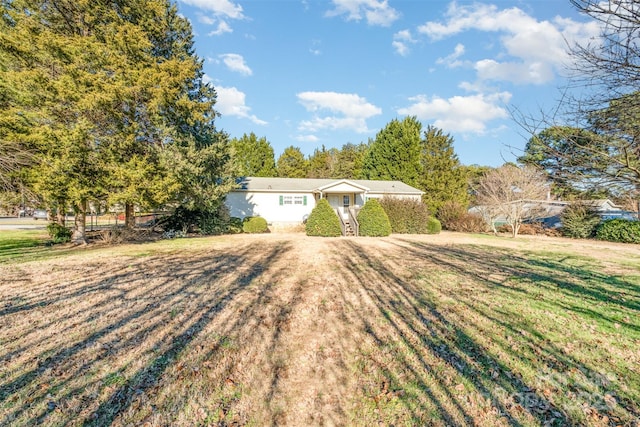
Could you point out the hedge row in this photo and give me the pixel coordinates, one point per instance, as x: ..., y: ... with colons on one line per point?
x: 407, y: 216
x: 619, y: 230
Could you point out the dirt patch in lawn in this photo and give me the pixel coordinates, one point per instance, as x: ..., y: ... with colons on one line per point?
x: 283, y: 329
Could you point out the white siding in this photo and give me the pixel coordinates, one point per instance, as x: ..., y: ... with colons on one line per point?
x: 267, y: 205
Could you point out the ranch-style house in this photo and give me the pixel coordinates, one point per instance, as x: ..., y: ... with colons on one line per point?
x: 289, y: 201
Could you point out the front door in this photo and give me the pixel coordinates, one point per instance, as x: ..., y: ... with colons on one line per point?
x: 341, y: 202
x: 346, y: 202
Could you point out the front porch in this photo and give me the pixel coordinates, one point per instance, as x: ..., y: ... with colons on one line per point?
x: 346, y: 198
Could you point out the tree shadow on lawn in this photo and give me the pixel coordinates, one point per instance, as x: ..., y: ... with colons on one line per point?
x: 546, y: 286
x: 152, y: 312
x: 589, y: 292
x: 462, y: 378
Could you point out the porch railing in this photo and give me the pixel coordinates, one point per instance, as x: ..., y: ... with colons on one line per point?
x: 353, y: 214
x: 343, y: 226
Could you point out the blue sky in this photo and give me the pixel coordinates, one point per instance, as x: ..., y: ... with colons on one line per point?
x: 312, y: 73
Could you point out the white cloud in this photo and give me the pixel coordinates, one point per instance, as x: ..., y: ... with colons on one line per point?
x: 401, y: 41
x: 231, y: 102
x: 218, y: 7
x: 536, y: 72
x: 535, y: 50
x: 465, y: 114
x: 236, y: 63
x: 207, y: 20
x: 307, y: 138
x: 221, y: 9
x: 223, y: 28
x: 350, y: 111
x: 452, y: 60
x: 376, y: 12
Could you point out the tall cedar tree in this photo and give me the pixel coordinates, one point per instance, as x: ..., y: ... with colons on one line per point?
x: 292, y: 163
x: 116, y: 84
x: 442, y: 178
x: 253, y: 156
x: 395, y: 153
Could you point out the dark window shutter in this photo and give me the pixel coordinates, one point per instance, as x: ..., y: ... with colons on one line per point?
x: 304, y: 200
x: 281, y: 200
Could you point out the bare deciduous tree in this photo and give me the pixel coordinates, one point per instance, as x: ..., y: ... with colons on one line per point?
x: 513, y: 194
x: 602, y: 100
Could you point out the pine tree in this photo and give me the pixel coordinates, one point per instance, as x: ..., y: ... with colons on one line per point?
x: 321, y: 163
x: 253, y: 156
x: 292, y: 164
x: 349, y: 161
x: 443, y: 178
x: 395, y: 152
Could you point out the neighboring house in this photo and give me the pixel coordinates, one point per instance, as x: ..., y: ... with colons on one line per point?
x: 548, y: 212
x: 289, y: 201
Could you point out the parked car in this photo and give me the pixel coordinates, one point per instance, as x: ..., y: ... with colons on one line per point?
x: 40, y: 214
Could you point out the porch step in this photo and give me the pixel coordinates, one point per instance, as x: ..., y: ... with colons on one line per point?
x: 348, y: 231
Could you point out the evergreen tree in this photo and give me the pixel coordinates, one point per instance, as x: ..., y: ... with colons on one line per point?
x: 349, y: 161
x: 395, y: 152
x: 321, y: 163
x: 292, y: 164
x: 253, y: 156
x: 443, y: 178
x: 105, y: 94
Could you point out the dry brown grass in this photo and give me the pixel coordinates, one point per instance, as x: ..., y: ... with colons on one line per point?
x: 289, y: 330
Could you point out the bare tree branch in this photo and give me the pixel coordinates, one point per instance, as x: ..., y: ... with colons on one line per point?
x: 512, y: 193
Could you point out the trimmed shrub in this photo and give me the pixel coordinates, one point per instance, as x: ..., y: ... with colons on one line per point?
x: 619, y: 230
x: 373, y: 220
x: 406, y: 215
x: 433, y: 226
x: 58, y: 233
x: 579, y: 221
x: 235, y: 225
x: 323, y: 221
x: 255, y: 224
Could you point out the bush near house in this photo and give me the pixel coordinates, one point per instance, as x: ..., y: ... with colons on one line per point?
x: 59, y: 233
x: 235, y: 225
x: 203, y: 221
x: 406, y: 215
x: 454, y: 217
x: 619, y: 230
x: 373, y: 220
x: 433, y: 226
x: 579, y: 221
x: 323, y: 221
x: 255, y: 224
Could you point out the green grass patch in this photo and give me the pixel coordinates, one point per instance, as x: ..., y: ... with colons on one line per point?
x: 16, y: 245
